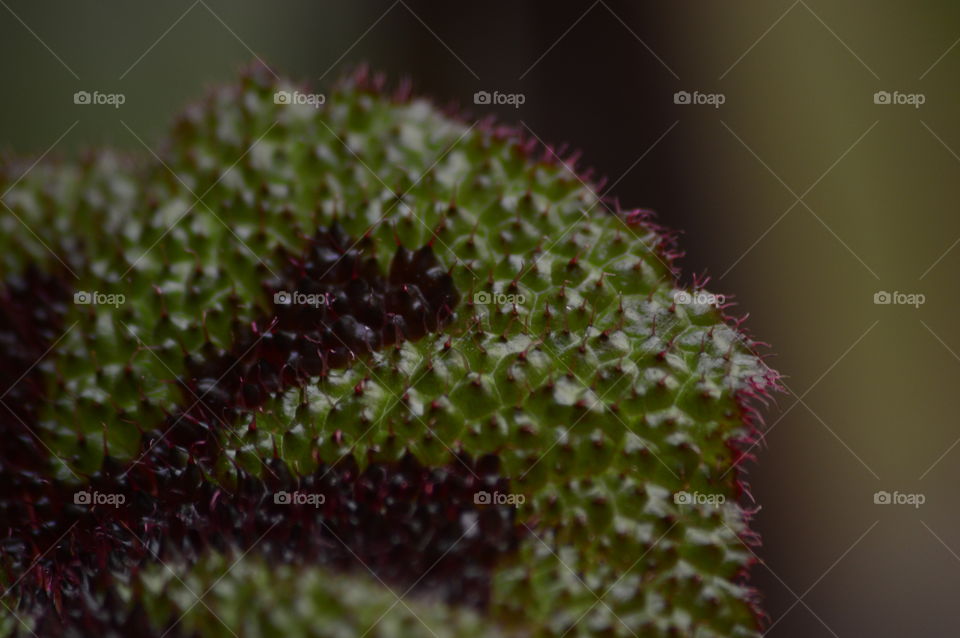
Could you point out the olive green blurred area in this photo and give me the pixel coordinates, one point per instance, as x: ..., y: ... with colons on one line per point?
x: 800, y: 195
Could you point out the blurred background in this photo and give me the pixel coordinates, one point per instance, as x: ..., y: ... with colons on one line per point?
x: 812, y: 162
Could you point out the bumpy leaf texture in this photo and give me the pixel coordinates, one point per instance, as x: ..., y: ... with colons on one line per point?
x: 362, y: 369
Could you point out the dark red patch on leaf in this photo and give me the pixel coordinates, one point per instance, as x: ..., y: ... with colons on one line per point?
x: 406, y: 523
x: 332, y: 305
x: 32, y: 306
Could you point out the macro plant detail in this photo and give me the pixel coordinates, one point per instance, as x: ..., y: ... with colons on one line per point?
x: 360, y: 348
